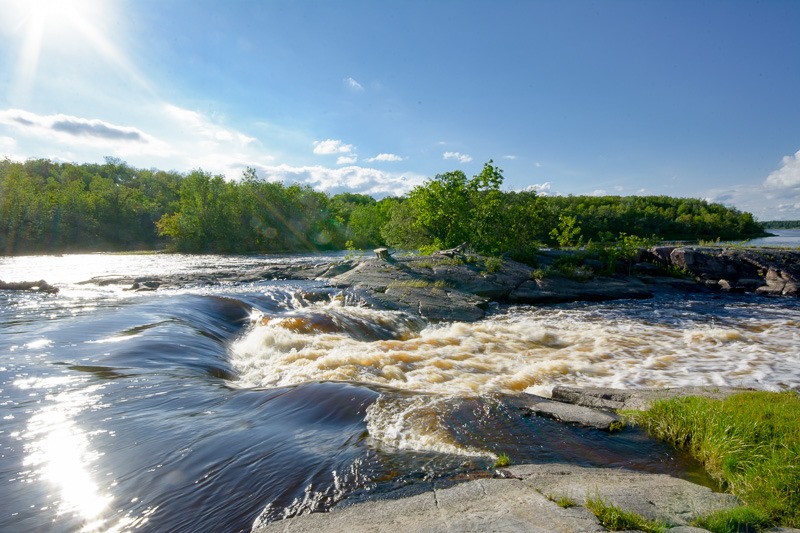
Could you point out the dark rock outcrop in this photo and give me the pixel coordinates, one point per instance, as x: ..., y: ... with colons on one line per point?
x: 443, y: 288
x: 762, y: 270
x: 36, y: 286
x: 455, y: 286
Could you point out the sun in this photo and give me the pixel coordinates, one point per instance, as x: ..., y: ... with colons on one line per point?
x: 69, y: 29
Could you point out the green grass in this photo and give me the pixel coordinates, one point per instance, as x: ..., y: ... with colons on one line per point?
x: 736, y: 520
x: 502, y: 461
x: 749, y: 442
x: 540, y: 273
x: 419, y: 284
x: 565, y: 502
x: 616, y: 425
x: 615, y: 519
x: 493, y: 264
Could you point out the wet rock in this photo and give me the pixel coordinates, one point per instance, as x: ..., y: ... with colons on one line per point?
x: 520, y: 502
x: 558, y: 289
x: 763, y: 270
x: 35, y: 286
x: 567, y: 412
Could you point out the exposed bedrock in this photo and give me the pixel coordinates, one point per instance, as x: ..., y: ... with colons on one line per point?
x: 763, y: 270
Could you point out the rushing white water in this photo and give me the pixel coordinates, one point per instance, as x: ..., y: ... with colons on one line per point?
x: 525, y: 350
x: 522, y: 350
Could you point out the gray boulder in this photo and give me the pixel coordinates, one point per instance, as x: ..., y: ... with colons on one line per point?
x: 521, y: 502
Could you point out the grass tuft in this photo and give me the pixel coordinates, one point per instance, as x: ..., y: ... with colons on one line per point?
x: 736, y: 520
x: 565, y: 502
x: 615, y: 519
x: 502, y: 461
x: 749, y: 442
x: 616, y: 425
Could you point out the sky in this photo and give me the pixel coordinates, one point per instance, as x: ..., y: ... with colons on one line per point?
x: 687, y: 98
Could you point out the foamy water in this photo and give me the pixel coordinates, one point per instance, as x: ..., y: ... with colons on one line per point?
x: 526, y: 350
x: 523, y: 350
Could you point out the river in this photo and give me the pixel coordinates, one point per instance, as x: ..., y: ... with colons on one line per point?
x: 217, y: 407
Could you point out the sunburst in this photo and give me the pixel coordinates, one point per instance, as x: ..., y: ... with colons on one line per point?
x: 62, y: 25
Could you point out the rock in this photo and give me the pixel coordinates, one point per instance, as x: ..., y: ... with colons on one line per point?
x: 646, y: 269
x: 382, y: 254
x: 519, y: 503
x: 637, y: 399
x: 558, y: 289
x: 736, y: 268
x: 35, y: 286
x: 567, y: 412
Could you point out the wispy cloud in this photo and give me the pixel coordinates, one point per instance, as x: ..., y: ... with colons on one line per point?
x: 364, y: 180
x: 331, y: 146
x: 202, y: 126
x: 511, y: 157
x: 353, y: 84
x: 776, y: 198
x: 96, y: 128
x: 458, y: 156
x: 346, y: 159
x: 184, y: 139
x: 8, y: 146
x: 69, y: 127
x: 385, y: 158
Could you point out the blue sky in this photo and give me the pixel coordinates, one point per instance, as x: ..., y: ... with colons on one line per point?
x: 683, y: 98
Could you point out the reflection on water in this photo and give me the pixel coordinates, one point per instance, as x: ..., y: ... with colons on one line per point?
x: 60, y: 452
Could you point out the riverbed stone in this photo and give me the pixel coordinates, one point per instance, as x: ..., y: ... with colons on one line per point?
x: 35, y: 286
x: 559, y: 289
x: 567, y: 412
x: 520, y: 502
x: 634, y: 399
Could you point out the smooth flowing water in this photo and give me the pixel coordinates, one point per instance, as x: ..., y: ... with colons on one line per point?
x: 214, y: 408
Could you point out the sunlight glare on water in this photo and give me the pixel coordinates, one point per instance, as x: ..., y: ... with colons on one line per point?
x: 60, y: 452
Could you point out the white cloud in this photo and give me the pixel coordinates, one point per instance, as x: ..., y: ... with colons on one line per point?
x: 353, y: 84
x: 598, y: 192
x: 511, y: 157
x: 461, y: 158
x: 201, y: 125
x: 539, y: 188
x: 331, y: 146
x: 346, y: 160
x: 8, y: 146
x: 359, y: 179
x: 788, y: 175
x: 184, y: 140
x: 385, y: 158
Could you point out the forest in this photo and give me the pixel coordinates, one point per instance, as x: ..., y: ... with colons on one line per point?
x: 782, y: 224
x: 55, y: 207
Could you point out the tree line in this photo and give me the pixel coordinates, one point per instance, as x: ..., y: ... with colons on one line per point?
x: 782, y: 224
x: 53, y: 207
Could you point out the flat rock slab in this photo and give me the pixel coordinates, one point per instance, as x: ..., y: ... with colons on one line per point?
x: 636, y: 399
x: 521, y: 503
x: 567, y: 412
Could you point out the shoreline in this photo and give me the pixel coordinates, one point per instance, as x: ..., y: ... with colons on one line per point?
x: 538, y: 497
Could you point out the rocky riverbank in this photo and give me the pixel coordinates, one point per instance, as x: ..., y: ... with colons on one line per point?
x: 543, y: 497
x: 463, y: 287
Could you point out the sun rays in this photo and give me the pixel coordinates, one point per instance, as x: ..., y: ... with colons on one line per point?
x: 71, y: 32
